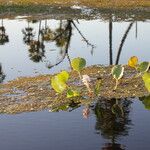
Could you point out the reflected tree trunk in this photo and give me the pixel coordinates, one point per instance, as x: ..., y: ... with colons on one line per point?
x: 39, y: 30
x: 68, y: 42
x: 122, y: 42
x: 2, y: 23
x: 2, y: 75
x: 136, y: 30
x: 110, y: 42
x: 87, y: 42
x: 68, y: 31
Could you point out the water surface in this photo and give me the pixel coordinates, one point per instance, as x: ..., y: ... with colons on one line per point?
x: 99, y: 42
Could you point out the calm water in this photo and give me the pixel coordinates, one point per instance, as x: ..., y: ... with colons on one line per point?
x: 93, y: 40
x: 99, y: 42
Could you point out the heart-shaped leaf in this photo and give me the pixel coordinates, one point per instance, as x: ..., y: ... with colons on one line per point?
x: 117, y: 72
x: 143, y: 67
x: 133, y: 62
x: 64, y: 76
x: 58, y: 84
x: 146, y: 79
x: 78, y: 64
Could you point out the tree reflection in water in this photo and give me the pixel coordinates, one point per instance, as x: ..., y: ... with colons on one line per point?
x: 36, y: 46
x: 125, y: 35
x: 61, y: 36
x: 2, y: 75
x: 112, y: 118
x: 113, y: 146
x: 28, y: 34
x: 3, y: 36
x: 112, y: 125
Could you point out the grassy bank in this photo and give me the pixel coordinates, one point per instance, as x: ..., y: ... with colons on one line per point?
x: 88, y: 3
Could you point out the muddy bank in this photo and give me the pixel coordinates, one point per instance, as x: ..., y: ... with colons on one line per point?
x: 35, y: 93
x: 74, y: 12
x: 88, y: 3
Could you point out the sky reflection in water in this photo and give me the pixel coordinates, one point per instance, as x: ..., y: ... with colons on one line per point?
x: 99, y: 43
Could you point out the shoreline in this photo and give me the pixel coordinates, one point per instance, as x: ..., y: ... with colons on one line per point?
x: 74, y: 12
x: 87, y: 3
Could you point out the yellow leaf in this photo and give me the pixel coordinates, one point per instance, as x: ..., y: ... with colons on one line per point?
x: 133, y: 62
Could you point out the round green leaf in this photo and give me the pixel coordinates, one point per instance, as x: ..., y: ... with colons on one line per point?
x: 146, y: 79
x: 58, y: 84
x: 117, y: 72
x: 78, y: 63
x: 143, y: 67
x: 64, y: 75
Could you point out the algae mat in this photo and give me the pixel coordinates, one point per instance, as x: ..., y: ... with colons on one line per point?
x: 35, y: 93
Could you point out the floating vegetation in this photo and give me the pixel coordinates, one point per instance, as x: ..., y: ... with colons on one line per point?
x: 83, y: 85
x: 146, y: 79
x: 140, y: 67
x: 117, y: 72
x: 59, y: 81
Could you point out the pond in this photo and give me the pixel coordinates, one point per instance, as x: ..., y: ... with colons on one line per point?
x: 31, y: 46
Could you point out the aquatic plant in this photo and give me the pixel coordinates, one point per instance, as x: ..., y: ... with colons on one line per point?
x: 78, y: 64
x: 140, y: 67
x: 146, y: 79
x: 133, y: 62
x: 59, y: 84
x: 146, y: 102
x: 59, y: 81
x: 117, y: 72
x: 86, y: 81
x: 143, y: 67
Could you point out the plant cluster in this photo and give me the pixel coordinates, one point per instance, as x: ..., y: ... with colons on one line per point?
x: 59, y: 81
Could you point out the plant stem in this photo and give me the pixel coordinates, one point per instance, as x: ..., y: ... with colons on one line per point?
x: 80, y: 75
x: 116, y: 85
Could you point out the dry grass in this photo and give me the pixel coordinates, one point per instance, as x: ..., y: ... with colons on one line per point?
x: 89, y: 3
